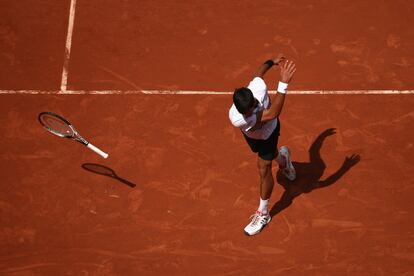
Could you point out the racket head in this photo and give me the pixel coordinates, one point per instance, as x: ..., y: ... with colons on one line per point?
x: 56, y: 124
x: 98, y: 169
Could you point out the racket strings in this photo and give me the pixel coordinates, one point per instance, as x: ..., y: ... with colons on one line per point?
x: 57, y: 126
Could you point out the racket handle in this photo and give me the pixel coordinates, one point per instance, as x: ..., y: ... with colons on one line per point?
x: 98, y: 151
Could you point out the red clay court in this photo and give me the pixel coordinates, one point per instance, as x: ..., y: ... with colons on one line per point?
x: 196, y: 179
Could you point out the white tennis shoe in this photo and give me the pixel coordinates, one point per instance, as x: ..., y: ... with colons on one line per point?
x: 289, y: 171
x: 259, y: 221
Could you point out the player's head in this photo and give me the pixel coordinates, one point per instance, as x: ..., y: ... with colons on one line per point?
x: 244, y: 101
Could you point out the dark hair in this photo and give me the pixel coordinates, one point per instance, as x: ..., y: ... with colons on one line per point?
x: 243, y: 99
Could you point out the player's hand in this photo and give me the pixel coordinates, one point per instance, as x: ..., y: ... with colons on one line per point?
x: 287, y: 70
x: 351, y: 161
x: 329, y: 132
x: 280, y: 58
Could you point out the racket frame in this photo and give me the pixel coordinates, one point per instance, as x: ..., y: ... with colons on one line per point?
x: 75, y: 136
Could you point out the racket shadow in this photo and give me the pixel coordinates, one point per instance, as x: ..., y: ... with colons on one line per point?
x: 103, y: 170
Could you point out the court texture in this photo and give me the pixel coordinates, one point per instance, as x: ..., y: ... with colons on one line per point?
x: 150, y: 83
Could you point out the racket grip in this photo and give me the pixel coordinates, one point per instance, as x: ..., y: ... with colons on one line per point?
x: 98, y: 151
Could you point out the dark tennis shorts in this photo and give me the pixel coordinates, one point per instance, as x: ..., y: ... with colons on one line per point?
x: 266, y: 149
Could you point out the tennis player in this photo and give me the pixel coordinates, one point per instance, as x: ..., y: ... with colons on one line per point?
x: 258, y: 119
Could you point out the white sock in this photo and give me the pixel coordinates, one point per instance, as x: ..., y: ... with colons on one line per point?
x: 263, y: 206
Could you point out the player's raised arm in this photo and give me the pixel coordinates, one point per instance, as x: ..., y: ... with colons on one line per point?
x: 268, y: 64
x: 287, y: 70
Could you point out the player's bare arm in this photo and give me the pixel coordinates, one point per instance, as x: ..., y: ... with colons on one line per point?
x: 268, y: 64
x: 287, y: 70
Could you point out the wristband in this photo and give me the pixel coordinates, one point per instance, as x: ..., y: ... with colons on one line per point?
x: 269, y: 62
x: 282, y: 87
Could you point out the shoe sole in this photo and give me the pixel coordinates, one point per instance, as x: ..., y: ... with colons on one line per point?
x: 247, y: 234
x: 288, y: 161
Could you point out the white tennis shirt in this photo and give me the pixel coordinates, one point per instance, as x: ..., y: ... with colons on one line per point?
x: 259, y: 90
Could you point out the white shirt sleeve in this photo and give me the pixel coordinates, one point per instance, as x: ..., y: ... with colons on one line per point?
x: 257, y: 86
x: 259, y: 90
x: 238, y: 120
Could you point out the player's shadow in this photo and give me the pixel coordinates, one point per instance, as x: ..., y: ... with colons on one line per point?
x: 308, y: 174
x: 103, y: 170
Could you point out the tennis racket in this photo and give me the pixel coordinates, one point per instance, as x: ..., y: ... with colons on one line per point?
x: 61, y: 127
x: 100, y: 169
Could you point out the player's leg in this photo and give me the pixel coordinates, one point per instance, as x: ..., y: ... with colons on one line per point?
x: 266, y: 183
x: 261, y: 217
x: 264, y: 165
x: 266, y: 154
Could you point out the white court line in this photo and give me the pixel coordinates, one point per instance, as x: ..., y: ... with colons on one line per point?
x: 65, y: 71
x: 64, y: 82
x: 190, y: 92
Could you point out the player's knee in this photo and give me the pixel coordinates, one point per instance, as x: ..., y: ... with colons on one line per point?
x: 264, y: 166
